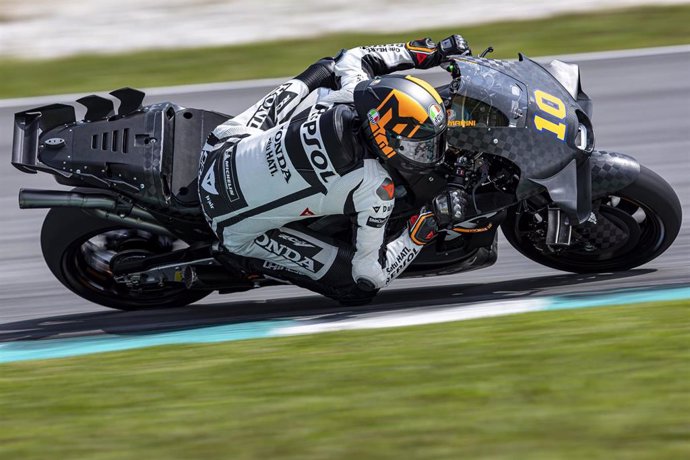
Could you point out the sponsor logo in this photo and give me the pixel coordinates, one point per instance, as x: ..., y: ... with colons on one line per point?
x: 420, y: 57
x: 209, y: 181
x: 395, y: 48
x: 386, y: 208
x: 286, y: 249
x: 284, y: 99
x: 278, y: 268
x: 421, y: 49
x: 377, y: 222
x: 403, y: 259
x: 272, y: 266
x: 405, y: 253
x: 436, y: 114
x: 275, y: 156
x: 373, y: 116
x: 314, y: 147
x: 262, y: 112
x: 462, y: 123
x: 296, y: 241
x: 307, y: 213
x: 231, y: 187
x: 386, y: 190
x: 209, y: 201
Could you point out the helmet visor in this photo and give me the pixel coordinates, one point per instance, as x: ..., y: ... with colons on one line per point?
x: 422, y: 152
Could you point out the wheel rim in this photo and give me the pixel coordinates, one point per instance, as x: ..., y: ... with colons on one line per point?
x: 643, y: 227
x: 86, y: 263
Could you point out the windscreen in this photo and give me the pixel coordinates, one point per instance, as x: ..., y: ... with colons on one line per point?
x: 487, y: 98
x: 466, y: 112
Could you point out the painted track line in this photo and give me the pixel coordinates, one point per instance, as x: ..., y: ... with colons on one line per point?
x: 272, y: 82
x: 61, y: 348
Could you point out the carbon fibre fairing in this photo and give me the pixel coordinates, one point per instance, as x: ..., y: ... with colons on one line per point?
x: 612, y: 172
x: 519, y: 111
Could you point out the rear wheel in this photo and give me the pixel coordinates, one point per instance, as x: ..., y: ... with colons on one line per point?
x: 79, y: 247
x: 633, y: 226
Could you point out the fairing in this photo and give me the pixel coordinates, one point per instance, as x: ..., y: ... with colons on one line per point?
x: 148, y: 153
x: 521, y: 112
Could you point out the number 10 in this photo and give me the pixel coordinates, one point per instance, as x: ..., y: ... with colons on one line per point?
x: 553, y: 106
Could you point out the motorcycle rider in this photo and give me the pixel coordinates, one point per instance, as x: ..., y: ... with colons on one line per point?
x: 267, y: 169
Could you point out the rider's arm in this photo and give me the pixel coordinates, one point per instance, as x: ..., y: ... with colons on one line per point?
x: 278, y: 105
x: 349, y: 68
x: 374, y: 264
x: 366, y: 62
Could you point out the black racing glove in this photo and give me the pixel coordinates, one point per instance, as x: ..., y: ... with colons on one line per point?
x: 454, y: 45
x: 426, y: 54
x: 450, y: 207
x: 423, y: 227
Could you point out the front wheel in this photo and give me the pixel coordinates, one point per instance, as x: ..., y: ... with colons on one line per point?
x: 78, y: 248
x: 633, y: 226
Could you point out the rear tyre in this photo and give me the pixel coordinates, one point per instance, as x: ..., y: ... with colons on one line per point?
x: 635, y: 225
x: 78, y: 247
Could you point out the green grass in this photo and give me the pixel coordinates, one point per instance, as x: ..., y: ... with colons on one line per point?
x: 597, y: 383
x: 617, y: 29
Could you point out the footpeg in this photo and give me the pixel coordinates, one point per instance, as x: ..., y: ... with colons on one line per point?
x: 559, y: 231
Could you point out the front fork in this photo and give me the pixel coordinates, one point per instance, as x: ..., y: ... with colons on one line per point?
x: 559, y: 232
x: 574, y: 189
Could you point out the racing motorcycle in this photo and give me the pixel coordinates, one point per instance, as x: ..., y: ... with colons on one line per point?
x: 131, y: 235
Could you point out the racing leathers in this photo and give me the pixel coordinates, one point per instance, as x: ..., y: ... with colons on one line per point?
x: 269, y: 168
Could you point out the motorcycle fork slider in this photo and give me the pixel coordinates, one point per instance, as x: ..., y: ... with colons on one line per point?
x: 559, y: 231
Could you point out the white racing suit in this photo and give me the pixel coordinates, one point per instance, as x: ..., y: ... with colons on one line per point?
x: 267, y: 169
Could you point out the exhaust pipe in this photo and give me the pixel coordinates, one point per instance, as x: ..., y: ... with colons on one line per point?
x: 40, y: 199
x: 102, y: 206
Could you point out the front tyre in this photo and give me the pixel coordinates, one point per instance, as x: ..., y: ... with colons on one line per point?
x: 634, y: 225
x: 78, y: 248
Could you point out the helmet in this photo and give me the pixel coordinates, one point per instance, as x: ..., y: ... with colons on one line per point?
x: 404, y: 120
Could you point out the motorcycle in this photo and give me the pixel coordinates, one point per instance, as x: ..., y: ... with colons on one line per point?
x: 131, y: 235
